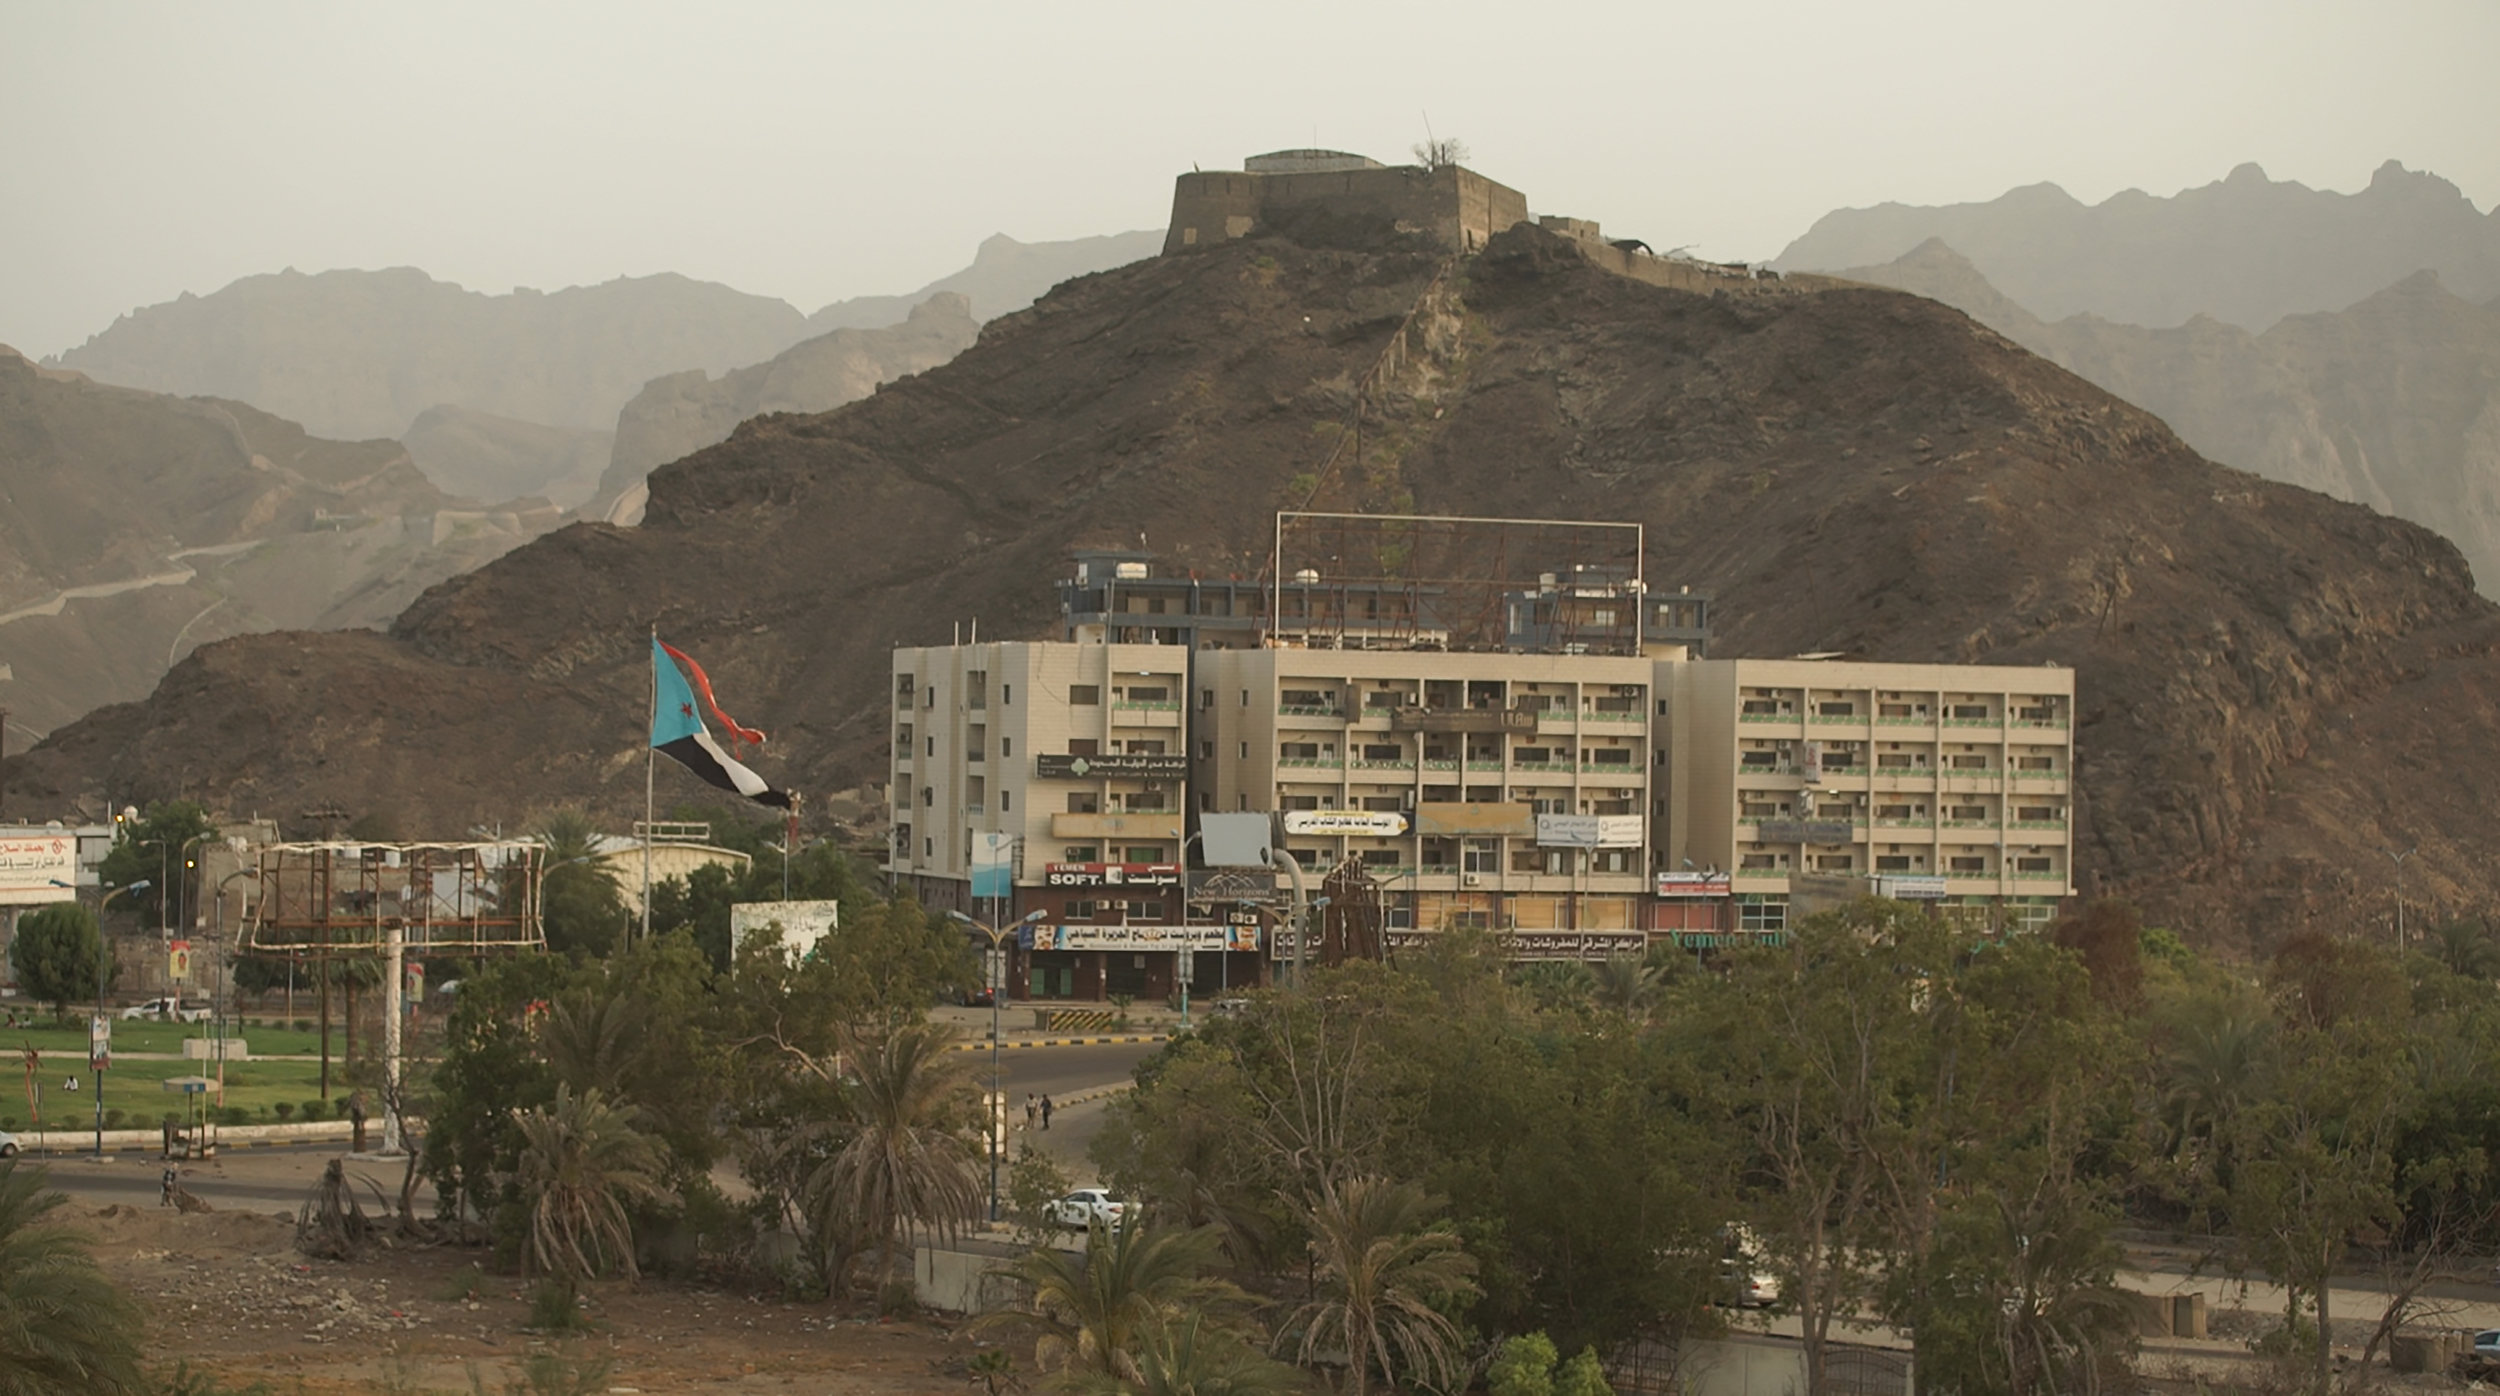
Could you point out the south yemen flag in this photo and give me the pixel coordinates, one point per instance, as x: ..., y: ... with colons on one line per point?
x: 678, y: 730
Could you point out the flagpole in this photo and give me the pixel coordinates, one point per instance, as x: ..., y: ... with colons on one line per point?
x: 650, y: 755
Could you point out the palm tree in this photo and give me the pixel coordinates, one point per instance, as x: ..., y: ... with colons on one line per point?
x: 1628, y: 984
x: 582, y: 1161
x: 1094, y: 1315
x: 1381, y: 1271
x: 1191, y: 1357
x: 911, y: 1153
x: 1557, y: 984
x: 64, y: 1328
x: 595, y: 1040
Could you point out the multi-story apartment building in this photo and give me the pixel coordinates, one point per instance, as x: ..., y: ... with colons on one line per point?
x: 1588, y: 784
x: 1944, y: 782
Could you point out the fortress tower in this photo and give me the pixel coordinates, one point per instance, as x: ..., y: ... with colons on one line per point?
x: 1454, y: 206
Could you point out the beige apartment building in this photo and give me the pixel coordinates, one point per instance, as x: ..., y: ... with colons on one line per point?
x: 1948, y: 783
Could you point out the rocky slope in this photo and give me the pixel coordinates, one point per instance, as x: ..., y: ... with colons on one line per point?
x: 135, y: 526
x: 2263, y: 669
x: 2393, y: 402
x: 685, y: 412
x: 2245, y: 250
x: 484, y: 456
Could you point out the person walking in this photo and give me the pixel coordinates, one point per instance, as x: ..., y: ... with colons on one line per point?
x: 1032, y: 1112
x: 1045, y: 1112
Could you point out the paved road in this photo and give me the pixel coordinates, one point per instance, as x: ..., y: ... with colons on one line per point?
x: 269, y: 1179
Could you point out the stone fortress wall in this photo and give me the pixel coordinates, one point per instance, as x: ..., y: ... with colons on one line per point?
x: 1456, y: 207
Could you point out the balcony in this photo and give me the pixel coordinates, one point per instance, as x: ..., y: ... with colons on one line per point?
x: 2057, y: 824
x: 1475, y: 765
x: 2038, y: 775
x: 1368, y: 764
x: 1927, y: 722
x: 2038, y: 724
x: 1307, y: 710
x: 1789, y: 718
x: 1314, y: 763
x: 1838, y: 719
x: 1992, y: 723
x: 1634, y: 716
x: 1905, y: 824
x: 1440, y: 763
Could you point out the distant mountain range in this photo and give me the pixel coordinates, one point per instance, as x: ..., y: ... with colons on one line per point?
x: 2390, y: 397
x: 522, y: 384
x: 2246, y: 250
x: 135, y: 527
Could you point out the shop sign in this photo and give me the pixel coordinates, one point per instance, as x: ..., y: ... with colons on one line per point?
x: 1911, y: 888
x: 1356, y: 822
x: 1117, y: 766
x: 1111, y: 874
x: 1589, y: 830
x: 1695, y: 884
x: 1522, y: 945
x: 1208, y: 937
x: 31, y: 863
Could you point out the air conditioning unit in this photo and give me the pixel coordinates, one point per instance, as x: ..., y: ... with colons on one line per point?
x: 1472, y: 880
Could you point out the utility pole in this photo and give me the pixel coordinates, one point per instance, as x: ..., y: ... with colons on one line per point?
x: 2399, y: 859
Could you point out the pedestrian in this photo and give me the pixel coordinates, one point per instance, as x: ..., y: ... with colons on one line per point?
x: 356, y: 1118
x: 1045, y: 1112
x: 1032, y: 1112
x: 70, y: 1085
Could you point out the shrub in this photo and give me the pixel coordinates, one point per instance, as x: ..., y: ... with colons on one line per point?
x: 556, y: 1307
x: 286, y: 1111
x: 314, y: 1110
x: 897, y: 1299
x: 303, y: 1025
x: 112, y: 1118
x: 1524, y: 1367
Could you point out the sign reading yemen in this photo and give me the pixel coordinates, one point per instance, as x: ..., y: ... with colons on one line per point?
x: 1111, y: 874
x: 1360, y: 823
x: 1117, y: 766
x: 1588, y: 830
x: 31, y: 860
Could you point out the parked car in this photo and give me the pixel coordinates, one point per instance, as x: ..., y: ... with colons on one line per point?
x: 167, y: 1008
x: 1084, y: 1207
x: 1746, y: 1287
x: 973, y: 996
x: 8, y: 1145
x: 2486, y: 1343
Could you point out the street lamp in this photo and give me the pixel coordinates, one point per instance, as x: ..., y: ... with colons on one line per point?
x: 995, y: 971
x: 2400, y: 892
x: 220, y: 992
x: 93, y: 1059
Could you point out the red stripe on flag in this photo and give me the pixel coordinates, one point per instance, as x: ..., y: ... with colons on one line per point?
x: 703, y: 685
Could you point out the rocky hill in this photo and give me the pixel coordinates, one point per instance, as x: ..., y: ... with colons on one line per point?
x: 2274, y: 684
x: 136, y: 526
x: 2246, y: 250
x: 685, y: 412
x: 488, y: 457
x: 2393, y: 402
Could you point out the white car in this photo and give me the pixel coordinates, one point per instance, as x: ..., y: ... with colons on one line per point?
x: 8, y: 1146
x: 2486, y: 1343
x: 1085, y: 1207
x: 174, y: 1009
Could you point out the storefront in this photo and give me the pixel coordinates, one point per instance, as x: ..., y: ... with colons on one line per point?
x: 1146, y: 963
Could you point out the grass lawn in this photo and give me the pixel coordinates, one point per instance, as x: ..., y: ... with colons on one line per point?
x: 149, y: 1036
x: 137, y: 1089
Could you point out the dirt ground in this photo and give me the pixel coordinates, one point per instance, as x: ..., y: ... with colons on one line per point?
x: 227, y: 1293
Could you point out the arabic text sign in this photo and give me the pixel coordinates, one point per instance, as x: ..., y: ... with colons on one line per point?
x: 1358, y: 822
x: 1589, y: 830
x: 30, y: 861
x: 1210, y: 937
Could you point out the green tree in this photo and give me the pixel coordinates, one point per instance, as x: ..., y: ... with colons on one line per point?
x: 580, y: 902
x: 582, y: 1164
x: 149, y: 848
x: 64, y: 1329
x: 58, y: 954
x: 1193, y: 1356
x: 1385, y: 1274
x: 1524, y: 1366
x: 1628, y: 985
x: 1091, y: 1315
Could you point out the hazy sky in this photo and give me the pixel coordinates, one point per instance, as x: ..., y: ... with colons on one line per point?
x: 818, y: 151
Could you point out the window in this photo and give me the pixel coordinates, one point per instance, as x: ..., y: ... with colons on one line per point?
x: 1150, y: 695
x: 928, y: 696
x: 976, y: 791
x: 2031, y: 865
x: 1003, y: 797
x: 1306, y: 698
x: 1084, y: 802
x: 1532, y: 755
x: 1614, y: 860
x: 1970, y: 761
x: 1560, y: 804
x: 1206, y: 750
x: 1206, y: 698
x: 1297, y: 802
x: 1380, y: 857
x: 1006, y: 695
x: 1006, y: 746
x: 1767, y: 914
x: 1376, y: 751
x: 1892, y: 710
x: 932, y: 741
x: 1384, y: 802
x: 1084, y: 695
x: 1610, y: 756
x: 1962, y: 864
x: 1755, y: 810
x: 1144, y: 801
x: 976, y: 743
x: 1145, y: 853
x: 1082, y: 909
x: 928, y: 848
x: 2036, y: 814
x: 1480, y: 856
x: 1975, y: 812
x: 1081, y: 853
x: 1206, y: 801
x: 2035, y: 763
x: 1834, y: 862
x: 1139, y: 746
x: 1084, y: 746
x: 902, y: 690
x: 1893, y: 760
x: 928, y: 797
x: 1145, y: 911
x: 1763, y: 861
x: 1245, y: 697
x: 1968, y: 711
x: 1892, y: 811
x: 1762, y: 759
x: 1837, y: 709
x: 902, y: 738
x: 1245, y: 751
x: 1298, y: 751
x: 1526, y: 860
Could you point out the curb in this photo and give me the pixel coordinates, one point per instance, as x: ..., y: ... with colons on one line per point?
x: 983, y: 1044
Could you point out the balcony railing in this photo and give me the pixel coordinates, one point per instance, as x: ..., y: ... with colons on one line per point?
x: 1439, y: 763
x: 1475, y: 765
x: 2046, y: 724
x: 1766, y: 717
x: 1974, y: 722
x: 1364, y: 763
x: 1839, y: 719
x: 2038, y: 775
x: 1329, y: 763
x: 1561, y: 767
x: 1905, y: 824
x: 2036, y: 824
x: 2039, y: 877
x: 1604, y: 715
x: 1305, y: 710
x: 1167, y: 705
x: 1905, y: 722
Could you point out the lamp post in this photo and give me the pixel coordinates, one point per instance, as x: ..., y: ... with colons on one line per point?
x: 95, y: 1059
x: 220, y: 991
x: 995, y: 971
x: 2399, y: 859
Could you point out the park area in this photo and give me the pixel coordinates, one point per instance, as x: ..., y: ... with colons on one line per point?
x: 279, y: 1081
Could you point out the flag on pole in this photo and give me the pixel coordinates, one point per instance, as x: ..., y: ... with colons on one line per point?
x: 677, y: 729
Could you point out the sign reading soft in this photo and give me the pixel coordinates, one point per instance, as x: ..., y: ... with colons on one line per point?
x: 31, y: 860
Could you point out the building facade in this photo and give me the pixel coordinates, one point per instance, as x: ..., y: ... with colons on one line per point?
x: 1592, y: 803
